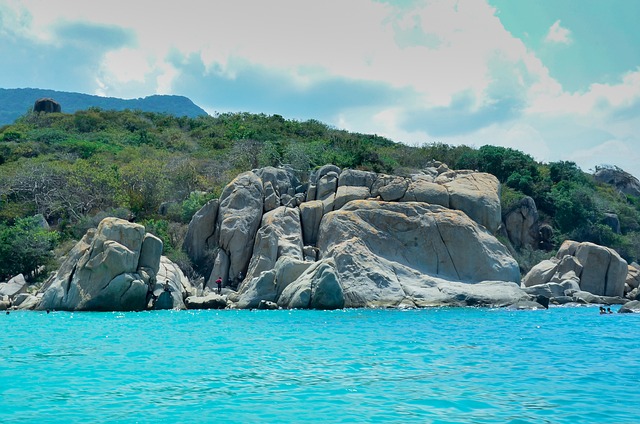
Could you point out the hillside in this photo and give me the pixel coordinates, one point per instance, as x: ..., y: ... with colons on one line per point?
x: 16, y: 102
x: 158, y: 170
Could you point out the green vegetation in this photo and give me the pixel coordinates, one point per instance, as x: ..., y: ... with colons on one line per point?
x: 158, y: 169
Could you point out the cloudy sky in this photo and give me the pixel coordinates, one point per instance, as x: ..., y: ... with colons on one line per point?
x: 558, y: 79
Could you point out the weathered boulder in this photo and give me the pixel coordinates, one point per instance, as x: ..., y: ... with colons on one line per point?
x: 317, y: 288
x: 389, y: 187
x: 47, y: 105
x: 324, y: 170
x: 604, y: 271
x: 347, y: 193
x: 239, y: 216
x: 612, y: 221
x: 383, y: 249
x: 423, y: 189
x: 630, y: 307
x: 311, y: 214
x: 633, y: 277
x: 102, y: 271
x: 326, y: 186
x: 521, y: 224
x: 478, y: 195
x: 252, y: 292
x: 280, y: 235
x: 211, y: 301
x: 356, y: 178
x: 598, y: 269
x: 199, y: 235
x: 171, y: 287
x: 14, y: 286
x: 621, y: 180
x: 282, y: 181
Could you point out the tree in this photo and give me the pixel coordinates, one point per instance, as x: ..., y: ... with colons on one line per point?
x: 25, y: 246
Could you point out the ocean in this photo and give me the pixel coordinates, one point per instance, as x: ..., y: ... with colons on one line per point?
x: 441, y: 365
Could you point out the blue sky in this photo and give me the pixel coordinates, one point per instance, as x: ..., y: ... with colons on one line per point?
x: 558, y: 79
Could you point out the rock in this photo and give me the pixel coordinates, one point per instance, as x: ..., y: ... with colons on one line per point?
x: 382, y: 249
x: 317, y: 288
x: 280, y: 235
x: 630, y: 307
x: 326, y: 186
x: 179, y: 286
x: 347, y: 193
x: 356, y: 178
x: 633, y: 277
x: 528, y: 305
x: 13, y: 287
x: 211, y: 301
x: 612, y: 221
x: 101, y: 272
x: 477, y: 195
x: 271, y: 198
x: 252, y: 292
x: 604, y: 271
x: 621, y: 180
x: 47, y: 105
x: 521, y: 224
x: 540, y: 273
x: 311, y: 214
x: 265, y: 304
x: 324, y: 170
x: 423, y: 189
x: 389, y: 187
x: 546, y: 237
x: 200, y: 233
x: 282, y: 181
x: 598, y: 270
x: 239, y: 216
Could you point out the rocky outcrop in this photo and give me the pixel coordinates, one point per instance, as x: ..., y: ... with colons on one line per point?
x: 356, y: 238
x: 596, y: 269
x: 113, y: 268
x: 47, y: 105
x: 621, y: 180
x: 13, y: 287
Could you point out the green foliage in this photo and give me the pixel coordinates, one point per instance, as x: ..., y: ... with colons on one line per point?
x: 25, y: 246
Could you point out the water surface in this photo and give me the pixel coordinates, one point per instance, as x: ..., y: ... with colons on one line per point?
x: 564, y: 365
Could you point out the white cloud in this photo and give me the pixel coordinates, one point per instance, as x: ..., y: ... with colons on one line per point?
x: 558, y: 34
x: 432, y: 54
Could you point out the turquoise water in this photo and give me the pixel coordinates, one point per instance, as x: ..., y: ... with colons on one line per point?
x: 564, y: 365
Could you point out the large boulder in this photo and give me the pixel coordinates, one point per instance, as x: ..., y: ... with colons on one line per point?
x: 383, y: 250
x: 423, y: 189
x: 103, y: 271
x: 316, y: 288
x: 47, y: 105
x: 280, y: 235
x: 200, y: 233
x: 598, y: 269
x: 239, y: 216
x: 14, y: 286
x: 521, y: 224
x: 171, y: 287
x: 478, y: 195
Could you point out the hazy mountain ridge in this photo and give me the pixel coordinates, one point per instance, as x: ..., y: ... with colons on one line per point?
x: 15, y: 102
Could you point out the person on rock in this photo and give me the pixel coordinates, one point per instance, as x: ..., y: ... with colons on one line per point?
x: 219, y: 284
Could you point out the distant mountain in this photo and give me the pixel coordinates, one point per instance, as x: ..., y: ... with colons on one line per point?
x: 15, y: 102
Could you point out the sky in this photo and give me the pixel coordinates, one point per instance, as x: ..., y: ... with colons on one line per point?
x: 557, y: 79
